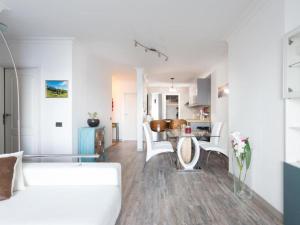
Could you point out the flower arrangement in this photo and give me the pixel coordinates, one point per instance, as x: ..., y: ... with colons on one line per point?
x: 93, y: 120
x: 242, y: 153
x: 93, y: 115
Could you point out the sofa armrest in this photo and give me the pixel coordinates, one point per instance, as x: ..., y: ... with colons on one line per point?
x: 79, y: 174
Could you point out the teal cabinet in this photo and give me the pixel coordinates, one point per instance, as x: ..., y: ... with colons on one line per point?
x: 91, y: 140
x: 291, y: 194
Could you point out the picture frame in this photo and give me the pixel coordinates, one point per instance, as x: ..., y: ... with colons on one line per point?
x: 57, y: 88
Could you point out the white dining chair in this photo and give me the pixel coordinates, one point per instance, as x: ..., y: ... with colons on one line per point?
x: 213, y: 144
x: 155, y: 148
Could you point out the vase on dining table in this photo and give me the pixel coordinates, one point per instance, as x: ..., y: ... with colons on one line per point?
x: 241, y: 161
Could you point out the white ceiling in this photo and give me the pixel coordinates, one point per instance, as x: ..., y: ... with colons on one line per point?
x: 192, y: 33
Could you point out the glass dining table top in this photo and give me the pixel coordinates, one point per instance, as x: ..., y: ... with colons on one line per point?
x: 178, y: 133
x: 42, y: 158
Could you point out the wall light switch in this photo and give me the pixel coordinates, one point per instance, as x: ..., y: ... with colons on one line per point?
x: 58, y: 124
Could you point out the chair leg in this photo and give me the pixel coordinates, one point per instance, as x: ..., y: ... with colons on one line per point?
x: 144, y: 166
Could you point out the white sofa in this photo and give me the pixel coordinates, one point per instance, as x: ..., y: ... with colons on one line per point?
x: 66, y: 193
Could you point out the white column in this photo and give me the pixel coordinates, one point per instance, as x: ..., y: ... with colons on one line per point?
x: 140, y: 106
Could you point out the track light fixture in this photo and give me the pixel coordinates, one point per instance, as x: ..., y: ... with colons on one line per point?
x: 159, y: 53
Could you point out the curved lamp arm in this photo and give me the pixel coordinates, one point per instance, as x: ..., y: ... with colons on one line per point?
x: 18, y: 91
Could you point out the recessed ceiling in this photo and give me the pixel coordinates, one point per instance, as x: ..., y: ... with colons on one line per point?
x: 192, y: 33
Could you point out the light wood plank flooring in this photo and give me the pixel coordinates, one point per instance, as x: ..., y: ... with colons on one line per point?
x: 159, y: 195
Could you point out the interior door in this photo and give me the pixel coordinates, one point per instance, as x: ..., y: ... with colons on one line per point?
x: 130, y: 117
x: 1, y: 110
x: 29, y: 82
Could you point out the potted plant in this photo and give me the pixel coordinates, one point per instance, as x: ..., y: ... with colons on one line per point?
x: 93, y: 120
x: 241, y: 160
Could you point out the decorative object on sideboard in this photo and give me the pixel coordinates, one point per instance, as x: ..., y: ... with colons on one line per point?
x: 241, y: 160
x: 93, y: 120
x: 159, y: 53
x: 57, y: 89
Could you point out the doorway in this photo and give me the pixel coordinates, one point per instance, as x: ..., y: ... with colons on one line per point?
x: 171, y: 106
x: 130, y: 115
x: 29, y: 81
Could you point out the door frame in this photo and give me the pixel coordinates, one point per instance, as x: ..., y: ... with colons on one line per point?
x: 39, y: 81
x: 123, y: 112
x: 2, y: 111
x: 164, y: 104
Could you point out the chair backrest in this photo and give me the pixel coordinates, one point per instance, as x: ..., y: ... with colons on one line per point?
x: 148, y: 118
x: 175, y: 124
x: 215, y: 133
x: 162, y: 124
x: 148, y: 135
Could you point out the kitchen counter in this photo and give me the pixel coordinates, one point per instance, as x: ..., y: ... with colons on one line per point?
x: 198, y: 123
x: 198, y: 120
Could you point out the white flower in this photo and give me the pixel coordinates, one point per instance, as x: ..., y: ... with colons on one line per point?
x: 238, y: 143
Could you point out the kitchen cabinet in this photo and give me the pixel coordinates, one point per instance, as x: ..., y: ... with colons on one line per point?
x: 291, y: 86
x: 291, y: 193
x: 196, y: 125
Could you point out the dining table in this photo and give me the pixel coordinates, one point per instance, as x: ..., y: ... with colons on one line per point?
x: 188, y: 149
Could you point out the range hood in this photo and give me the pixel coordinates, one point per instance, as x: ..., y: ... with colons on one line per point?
x: 200, y: 93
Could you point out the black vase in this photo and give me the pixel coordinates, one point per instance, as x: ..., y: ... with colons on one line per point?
x: 93, y: 122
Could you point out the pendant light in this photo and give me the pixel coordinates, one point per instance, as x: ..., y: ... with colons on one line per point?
x: 172, y: 89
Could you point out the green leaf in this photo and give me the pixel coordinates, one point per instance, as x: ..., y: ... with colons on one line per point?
x: 248, y: 155
x: 239, y: 164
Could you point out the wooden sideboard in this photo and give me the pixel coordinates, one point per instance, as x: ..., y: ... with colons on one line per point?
x: 91, y: 140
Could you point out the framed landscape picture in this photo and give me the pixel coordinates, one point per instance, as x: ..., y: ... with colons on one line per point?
x: 57, y: 89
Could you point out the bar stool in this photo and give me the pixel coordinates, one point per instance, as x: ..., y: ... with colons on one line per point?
x: 158, y: 127
x: 175, y: 124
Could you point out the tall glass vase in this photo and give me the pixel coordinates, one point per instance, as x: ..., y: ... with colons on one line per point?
x: 240, y: 179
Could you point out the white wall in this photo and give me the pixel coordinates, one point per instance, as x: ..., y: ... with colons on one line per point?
x: 255, y: 103
x: 292, y: 15
x: 185, y: 112
x: 54, y: 59
x: 120, y: 86
x: 79, y: 117
x: 92, y: 88
x: 219, y: 106
x: 62, y: 60
x: 140, y: 81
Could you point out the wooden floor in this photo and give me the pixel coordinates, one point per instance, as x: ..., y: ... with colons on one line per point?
x: 160, y: 195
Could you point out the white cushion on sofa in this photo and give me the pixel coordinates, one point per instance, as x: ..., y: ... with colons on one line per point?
x: 52, y: 174
x: 62, y: 205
